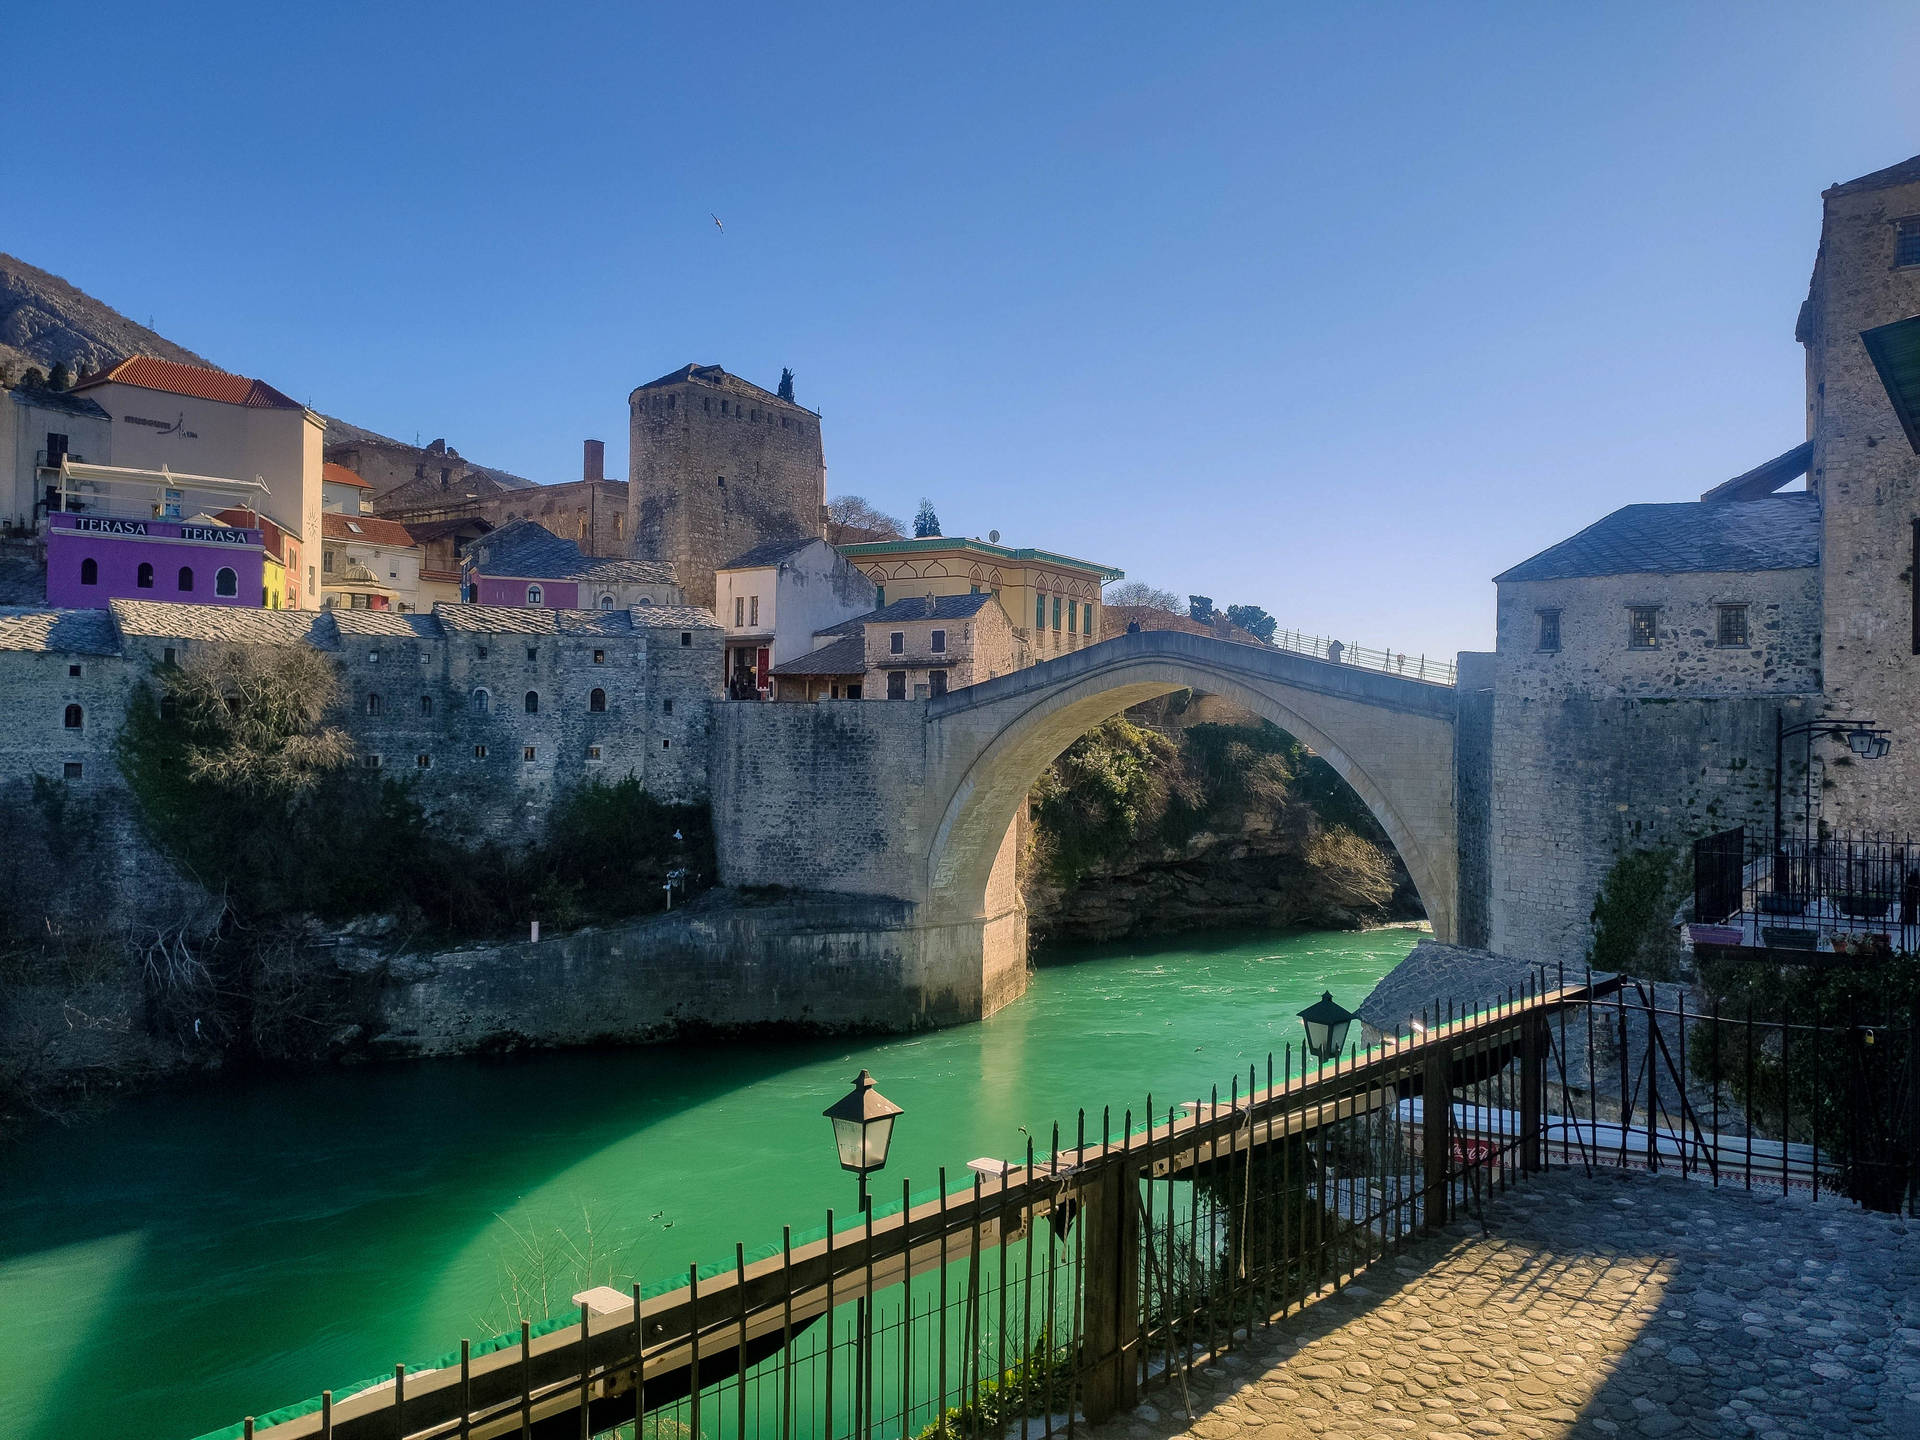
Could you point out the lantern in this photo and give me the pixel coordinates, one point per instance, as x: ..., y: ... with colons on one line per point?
x: 1327, y: 1022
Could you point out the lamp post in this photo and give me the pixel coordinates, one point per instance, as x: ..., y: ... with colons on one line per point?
x: 1863, y: 737
x: 862, y: 1130
x: 1327, y: 1022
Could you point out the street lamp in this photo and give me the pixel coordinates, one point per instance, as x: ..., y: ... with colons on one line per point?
x: 863, y: 1129
x: 1327, y: 1021
x: 1863, y: 737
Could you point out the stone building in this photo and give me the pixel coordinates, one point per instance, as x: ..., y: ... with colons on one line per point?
x: 1057, y: 595
x: 489, y: 712
x: 403, y: 475
x: 590, y: 511
x: 921, y: 648
x: 778, y: 601
x: 718, y: 465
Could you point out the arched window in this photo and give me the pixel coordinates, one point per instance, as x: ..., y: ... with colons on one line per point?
x: 480, y: 703
x: 606, y: 602
x: 426, y: 704
x: 533, y: 702
x: 75, y: 718
x: 186, y: 579
x: 533, y: 595
x: 89, y: 571
x: 143, y: 577
x: 597, y: 702
x: 225, y: 581
x: 373, y: 702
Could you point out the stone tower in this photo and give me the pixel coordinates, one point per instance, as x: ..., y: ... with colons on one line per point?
x: 1867, y: 476
x: 718, y: 465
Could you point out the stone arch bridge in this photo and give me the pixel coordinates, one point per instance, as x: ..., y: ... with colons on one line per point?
x: 904, y: 810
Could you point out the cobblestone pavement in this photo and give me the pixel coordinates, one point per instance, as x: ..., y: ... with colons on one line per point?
x: 1621, y: 1305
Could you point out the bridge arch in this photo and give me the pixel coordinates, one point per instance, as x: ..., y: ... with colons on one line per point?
x: 1389, y: 738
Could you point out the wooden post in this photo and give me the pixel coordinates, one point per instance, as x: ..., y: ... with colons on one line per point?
x: 1112, y: 1240
x: 1533, y: 1057
x: 1436, y: 1121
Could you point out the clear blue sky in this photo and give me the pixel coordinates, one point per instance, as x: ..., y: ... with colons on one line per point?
x: 1339, y: 314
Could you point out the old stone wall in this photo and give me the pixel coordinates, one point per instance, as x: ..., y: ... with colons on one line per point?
x: 1868, y: 478
x: 591, y: 513
x: 718, y: 465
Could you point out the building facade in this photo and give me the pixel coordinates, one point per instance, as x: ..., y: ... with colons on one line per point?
x: 38, y: 429
x: 920, y: 649
x: 524, y: 564
x: 368, y: 563
x: 778, y: 601
x: 718, y: 465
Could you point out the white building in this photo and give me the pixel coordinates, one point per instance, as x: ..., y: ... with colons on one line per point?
x: 776, y: 601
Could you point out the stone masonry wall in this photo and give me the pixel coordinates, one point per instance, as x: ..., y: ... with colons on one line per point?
x: 717, y: 466
x: 1869, y: 480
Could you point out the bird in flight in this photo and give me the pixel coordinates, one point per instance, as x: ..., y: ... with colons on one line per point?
x: 716, y: 222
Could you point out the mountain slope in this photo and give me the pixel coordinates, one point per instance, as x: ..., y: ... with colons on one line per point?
x: 44, y: 320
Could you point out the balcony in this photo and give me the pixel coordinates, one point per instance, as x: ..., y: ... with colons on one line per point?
x: 1828, y: 897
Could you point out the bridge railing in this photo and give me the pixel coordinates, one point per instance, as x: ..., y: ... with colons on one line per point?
x: 1432, y: 669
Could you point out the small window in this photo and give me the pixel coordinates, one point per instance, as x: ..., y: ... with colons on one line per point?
x: 597, y: 702
x: 533, y: 702
x: 1039, y: 612
x: 593, y: 752
x: 89, y: 571
x: 853, y: 692
x: 166, y: 656
x: 1643, y: 627
x: 686, y: 639
x: 533, y: 652
x: 939, y: 642
x: 534, y: 595
x: 72, y: 770
x: 326, y: 562
x: 423, y: 762
x: 896, y: 685
x: 226, y: 581
x: 897, y: 643
x: 480, y: 702
x: 599, y: 657
x: 370, y: 762
x: 739, y: 612
x: 753, y: 610
x: 666, y: 744
x: 527, y: 754
x: 73, y: 672
x: 143, y: 577
x: 1549, y: 629
x: 937, y: 682
x: 186, y: 579
x: 373, y: 657
x: 666, y: 707
x: 1906, y: 241
x: 1732, y: 627
x: 479, y: 752
x: 606, y: 602
x: 1056, y: 612
x: 426, y: 704
x: 479, y: 652
x: 373, y: 703
x: 74, y: 717
x: 879, y: 597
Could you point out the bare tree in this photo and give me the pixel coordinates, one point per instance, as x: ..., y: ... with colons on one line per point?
x: 851, y: 520
x: 1138, y: 592
x: 253, y: 718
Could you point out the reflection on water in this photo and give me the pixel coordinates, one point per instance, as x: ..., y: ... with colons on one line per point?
x: 234, y: 1247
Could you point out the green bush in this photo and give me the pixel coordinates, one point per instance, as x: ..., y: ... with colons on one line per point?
x: 1632, y: 916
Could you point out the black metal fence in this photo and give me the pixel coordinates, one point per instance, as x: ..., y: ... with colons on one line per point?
x: 1847, y: 894
x: 1045, y: 1297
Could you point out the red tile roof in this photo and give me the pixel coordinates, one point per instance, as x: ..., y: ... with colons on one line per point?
x: 175, y: 378
x: 333, y: 474
x: 368, y: 529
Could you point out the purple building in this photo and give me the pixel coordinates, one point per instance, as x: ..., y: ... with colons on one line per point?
x: 92, y: 559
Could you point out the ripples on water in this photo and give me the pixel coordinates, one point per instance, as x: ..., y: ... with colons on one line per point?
x: 233, y: 1247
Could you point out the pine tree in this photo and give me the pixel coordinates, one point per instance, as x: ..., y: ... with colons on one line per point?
x: 1200, y: 607
x: 786, y: 384
x: 925, y: 522
x: 61, y: 377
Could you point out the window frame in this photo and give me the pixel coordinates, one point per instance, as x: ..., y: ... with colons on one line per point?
x: 74, y: 717
x: 229, y: 578
x: 596, y: 701
x: 1722, y: 610
x: 897, y: 642
x: 936, y: 684
x: 896, y: 680
x: 1634, y: 617
x: 1547, y: 616
x: 937, y: 642
x: 536, y: 596
x: 1906, y: 242
x: 530, y: 702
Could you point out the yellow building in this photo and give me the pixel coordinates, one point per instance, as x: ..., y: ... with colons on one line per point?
x: 1053, y: 600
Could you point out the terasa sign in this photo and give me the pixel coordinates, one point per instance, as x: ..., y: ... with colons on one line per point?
x: 109, y: 527
x: 220, y: 535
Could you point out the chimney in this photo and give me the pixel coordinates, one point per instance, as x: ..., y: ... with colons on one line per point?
x: 593, y: 465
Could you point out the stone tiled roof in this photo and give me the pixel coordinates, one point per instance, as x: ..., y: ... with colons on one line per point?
x: 387, y: 622
x: 230, y: 624
x: 639, y: 572
x: 769, y: 552
x: 1780, y: 532
x: 538, y: 620
x: 73, y: 632
x: 65, y: 401
x: 845, y: 656
x: 1905, y: 173
x: 915, y: 607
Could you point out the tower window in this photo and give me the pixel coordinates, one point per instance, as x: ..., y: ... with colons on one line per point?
x: 597, y: 702
x: 72, y: 770
x: 1643, y: 627
x: 527, y: 754
x: 599, y: 657
x: 373, y: 703
x: 426, y: 704
x: 481, y: 702
x: 423, y: 762
x: 74, y: 717
x: 1906, y: 241
x: 479, y: 752
x: 666, y: 707
x: 1549, y: 629
x: 1732, y: 627
x: 533, y: 702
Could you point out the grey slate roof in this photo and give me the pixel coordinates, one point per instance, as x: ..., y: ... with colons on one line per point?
x: 537, y: 620
x: 527, y: 550
x: 1779, y: 532
x: 914, y: 607
x: 845, y: 656
x: 769, y: 552
x: 387, y: 622
x: 640, y: 572
x: 1905, y: 173
x: 228, y: 624
x: 73, y: 632
x: 64, y: 401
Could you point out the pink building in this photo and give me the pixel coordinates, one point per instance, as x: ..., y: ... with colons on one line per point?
x: 92, y: 559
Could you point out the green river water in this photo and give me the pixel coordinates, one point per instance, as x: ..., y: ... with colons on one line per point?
x: 200, y: 1253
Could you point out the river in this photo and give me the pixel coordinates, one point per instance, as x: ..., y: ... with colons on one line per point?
x: 199, y: 1253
